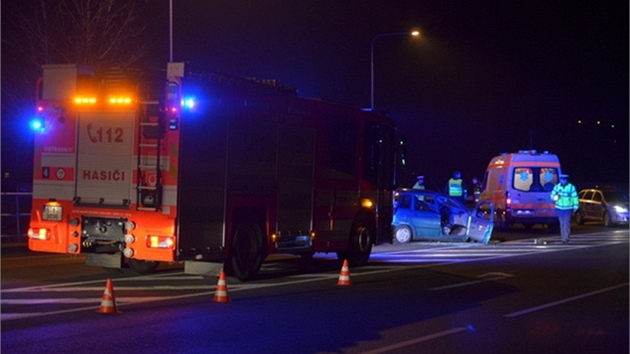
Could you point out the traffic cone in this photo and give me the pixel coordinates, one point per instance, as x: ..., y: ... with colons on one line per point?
x: 221, y: 295
x: 108, y: 304
x: 344, y: 275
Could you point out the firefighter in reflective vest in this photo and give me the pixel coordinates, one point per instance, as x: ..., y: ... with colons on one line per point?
x: 456, y: 187
x: 565, y: 196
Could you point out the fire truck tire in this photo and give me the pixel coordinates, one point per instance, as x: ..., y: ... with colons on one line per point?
x: 360, y: 246
x: 247, y: 253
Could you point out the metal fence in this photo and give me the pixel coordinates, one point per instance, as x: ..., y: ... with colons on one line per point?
x: 16, y: 212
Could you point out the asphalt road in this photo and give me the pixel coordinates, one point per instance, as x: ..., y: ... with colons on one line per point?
x: 517, y: 296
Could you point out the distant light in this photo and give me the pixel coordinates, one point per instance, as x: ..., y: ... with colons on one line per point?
x: 599, y: 122
x: 415, y: 33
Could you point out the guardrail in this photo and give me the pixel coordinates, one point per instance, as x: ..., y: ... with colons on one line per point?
x: 16, y: 212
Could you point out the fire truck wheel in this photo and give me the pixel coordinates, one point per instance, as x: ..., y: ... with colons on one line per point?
x: 360, y: 247
x: 247, y: 252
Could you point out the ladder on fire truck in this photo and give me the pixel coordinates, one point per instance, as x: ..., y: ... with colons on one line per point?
x: 150, y: 135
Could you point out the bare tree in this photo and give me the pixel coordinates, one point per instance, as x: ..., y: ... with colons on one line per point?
x: 99, y: 33
x: 93, y: 32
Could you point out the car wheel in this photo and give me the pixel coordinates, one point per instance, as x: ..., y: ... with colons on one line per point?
x: 402, y: 234
x: 579, y: 218
x: 607, y: 221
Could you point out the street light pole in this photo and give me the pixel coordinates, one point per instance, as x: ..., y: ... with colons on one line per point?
x: 414, y: 33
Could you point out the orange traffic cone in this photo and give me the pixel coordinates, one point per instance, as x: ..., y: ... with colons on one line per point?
x: 221, y: 295
x: 344, y: 275
x: 108, y: 304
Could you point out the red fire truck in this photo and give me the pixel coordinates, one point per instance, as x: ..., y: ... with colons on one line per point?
x: 132, y: 168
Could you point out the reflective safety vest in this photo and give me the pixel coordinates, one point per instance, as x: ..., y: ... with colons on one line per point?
x: 455, y: 188
x: 477, y: 193
x: 565, y: 197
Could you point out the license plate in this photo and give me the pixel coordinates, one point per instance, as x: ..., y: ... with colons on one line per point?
x: 52, y: 213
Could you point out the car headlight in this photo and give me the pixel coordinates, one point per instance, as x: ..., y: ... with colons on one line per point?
x: 620, y: 209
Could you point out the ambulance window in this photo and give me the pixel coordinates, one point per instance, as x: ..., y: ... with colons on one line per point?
x: 548, y: 178
x: 523, y: 178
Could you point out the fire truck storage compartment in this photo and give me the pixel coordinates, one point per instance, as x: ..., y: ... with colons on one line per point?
x: 105, y: 158
x: 253, y: 153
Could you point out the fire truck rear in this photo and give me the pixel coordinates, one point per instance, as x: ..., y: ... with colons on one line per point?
x: 99, y: 156
x: 130, y: 171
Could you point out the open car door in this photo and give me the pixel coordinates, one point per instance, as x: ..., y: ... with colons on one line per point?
x: 480, y: 222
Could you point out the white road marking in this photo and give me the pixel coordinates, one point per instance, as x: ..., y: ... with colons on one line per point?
x: 416, y: 340
x: 422, y: 258
x: 559, y: 302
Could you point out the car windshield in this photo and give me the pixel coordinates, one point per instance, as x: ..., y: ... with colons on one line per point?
x: 616, y: 197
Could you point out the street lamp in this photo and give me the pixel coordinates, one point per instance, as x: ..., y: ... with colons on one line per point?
x: 413, y: 33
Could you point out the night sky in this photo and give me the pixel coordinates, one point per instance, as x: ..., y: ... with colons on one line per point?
x: 485, y: 77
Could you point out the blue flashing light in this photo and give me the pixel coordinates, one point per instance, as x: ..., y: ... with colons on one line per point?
x: 37, y: 125
x: 188, y: 103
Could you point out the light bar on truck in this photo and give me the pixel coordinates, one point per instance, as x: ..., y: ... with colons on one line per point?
x: 120, y: 100
x: 82, y: 100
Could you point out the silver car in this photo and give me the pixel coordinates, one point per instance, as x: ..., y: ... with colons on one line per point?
x: 606, y: 205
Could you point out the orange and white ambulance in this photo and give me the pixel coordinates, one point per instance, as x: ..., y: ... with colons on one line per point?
x: 519, y: 184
